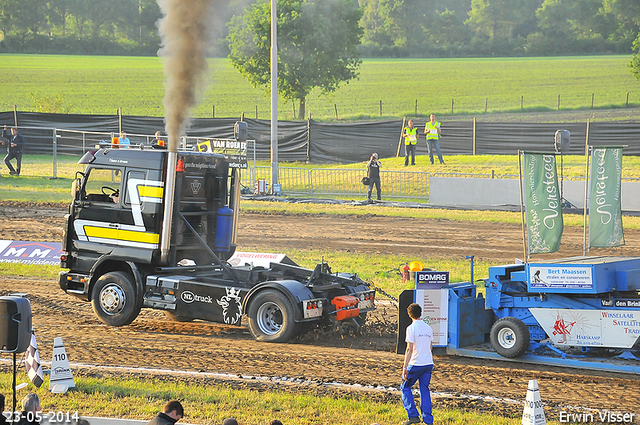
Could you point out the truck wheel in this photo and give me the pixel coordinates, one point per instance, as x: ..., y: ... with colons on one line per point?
x: 271, y: 317
x: 510, y: 337
x: 114, y: 299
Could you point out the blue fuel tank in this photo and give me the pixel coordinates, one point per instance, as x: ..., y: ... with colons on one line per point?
x: 224, y: 229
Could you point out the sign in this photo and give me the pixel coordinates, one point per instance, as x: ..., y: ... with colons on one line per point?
x: 431, y: 279
x: 258, y: 259
x: 542, y: 203
x: 621, y: 303
x: 60, y: 373
x: 560, y: 277
x: 435, y: 312
x: 234, y: 151
x: 574, y: 327
x: 24, y: 252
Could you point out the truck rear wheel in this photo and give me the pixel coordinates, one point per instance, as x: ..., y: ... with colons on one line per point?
x: 510, y: 337
x: 271, y: 317
x: 114, y: 299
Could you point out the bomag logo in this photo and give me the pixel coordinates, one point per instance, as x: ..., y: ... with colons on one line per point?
x: 189, y: 297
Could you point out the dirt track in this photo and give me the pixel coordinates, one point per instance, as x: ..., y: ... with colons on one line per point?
x: 369, y: 359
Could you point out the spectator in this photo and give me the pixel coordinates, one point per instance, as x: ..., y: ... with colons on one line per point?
x: 123, y: 140
x: 275, y: 422
x: 410, y: 134
x: 418, y: 364
x: 30, y: 410
x: 373, y: 171
x: 230, y: 421
x: 172, y: 413
x: 3, y: 418
x: 15, y: 145
x: 432, y: 130
x: 158, y: 142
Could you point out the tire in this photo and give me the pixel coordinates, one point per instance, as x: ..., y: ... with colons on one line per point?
x: 510, y: 337
x: 271, y: 317
x: 171, y: 315
x: 114, y: 299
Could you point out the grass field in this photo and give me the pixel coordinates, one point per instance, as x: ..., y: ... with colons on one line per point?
x: 208, y: 404
x: 417, y: 87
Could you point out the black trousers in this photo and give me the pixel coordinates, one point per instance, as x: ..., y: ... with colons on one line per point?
x: 9, y: 157
x: 376, y: 182
x: 409, y: 150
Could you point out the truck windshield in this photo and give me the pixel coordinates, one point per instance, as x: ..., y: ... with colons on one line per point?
x: 103, y: 185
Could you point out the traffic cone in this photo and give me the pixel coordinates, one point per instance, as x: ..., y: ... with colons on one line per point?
x: 533, y: 409
x: 60, y: 377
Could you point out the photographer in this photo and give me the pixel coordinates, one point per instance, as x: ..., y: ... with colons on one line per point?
x: 373, y: 171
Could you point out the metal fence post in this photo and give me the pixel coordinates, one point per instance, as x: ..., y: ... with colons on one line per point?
x: 55, y: 154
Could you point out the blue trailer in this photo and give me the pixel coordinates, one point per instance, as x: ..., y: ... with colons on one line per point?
x: 578, y: 311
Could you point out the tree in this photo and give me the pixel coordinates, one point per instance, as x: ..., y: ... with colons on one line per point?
x: 499, y: 18
x: 317, y: 45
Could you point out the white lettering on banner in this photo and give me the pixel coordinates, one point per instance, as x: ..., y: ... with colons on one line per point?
x: 39, y: 253
x: 601, y: 188
x: 552, y: 192
x: 14, y: 252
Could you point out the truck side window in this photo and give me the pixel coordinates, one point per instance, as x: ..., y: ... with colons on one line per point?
x: 139, y: 175
x: 103, y: 185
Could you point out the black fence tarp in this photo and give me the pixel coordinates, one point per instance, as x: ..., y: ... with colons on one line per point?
x: 343, y: 142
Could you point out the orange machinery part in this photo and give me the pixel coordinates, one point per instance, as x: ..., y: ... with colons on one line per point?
x: 346, y: 307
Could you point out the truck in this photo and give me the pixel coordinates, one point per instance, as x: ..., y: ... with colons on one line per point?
x: 151, y: 228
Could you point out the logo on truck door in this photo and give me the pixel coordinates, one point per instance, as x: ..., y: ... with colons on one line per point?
x: 114, y: 233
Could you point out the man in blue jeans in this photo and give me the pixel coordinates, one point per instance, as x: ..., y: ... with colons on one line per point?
x: 418, y: 364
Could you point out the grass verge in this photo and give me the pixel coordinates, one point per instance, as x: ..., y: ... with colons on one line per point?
x: 205, y: 403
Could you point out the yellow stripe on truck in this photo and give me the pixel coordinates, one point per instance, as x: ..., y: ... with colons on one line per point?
x: 150, y: 191
x: 122, y: 235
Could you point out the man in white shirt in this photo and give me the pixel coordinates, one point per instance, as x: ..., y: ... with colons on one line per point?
x: 418, y: 364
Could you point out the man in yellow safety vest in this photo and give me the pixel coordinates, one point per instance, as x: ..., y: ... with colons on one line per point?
x: 410, y: 134
x: 432, y: 130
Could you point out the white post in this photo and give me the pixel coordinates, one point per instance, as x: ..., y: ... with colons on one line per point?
x: 274, y: 94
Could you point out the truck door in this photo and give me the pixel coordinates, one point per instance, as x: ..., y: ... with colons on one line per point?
x: 95, y: 212
x: 141, y: 209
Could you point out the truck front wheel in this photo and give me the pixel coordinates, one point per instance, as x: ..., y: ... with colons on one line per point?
x: 114, y: 299
x: 271, y: 317
x: 510, y: 337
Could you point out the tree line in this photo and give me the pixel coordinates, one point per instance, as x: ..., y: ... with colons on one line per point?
x: 390, y: 28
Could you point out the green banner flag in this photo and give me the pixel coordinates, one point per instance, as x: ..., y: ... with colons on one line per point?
x: 542, y: 203
x: 605, y: 209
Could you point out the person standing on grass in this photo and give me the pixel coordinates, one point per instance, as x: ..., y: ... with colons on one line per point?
x: 418, y: 365
x: 373, y: 171
x: 432, y: 130
x: 172, y: 413
x: 410, y: 134
x: 15, y: 144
